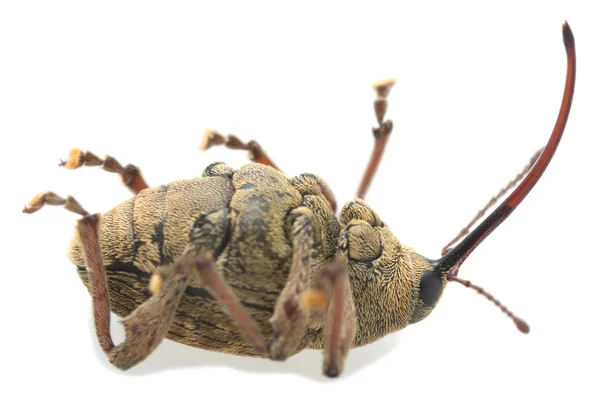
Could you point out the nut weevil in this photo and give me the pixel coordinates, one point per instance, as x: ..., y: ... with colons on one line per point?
x: 233, y: 258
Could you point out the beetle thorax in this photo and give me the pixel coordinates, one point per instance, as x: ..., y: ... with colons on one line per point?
x: 385, y: 275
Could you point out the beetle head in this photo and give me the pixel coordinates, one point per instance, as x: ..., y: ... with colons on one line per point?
x: 391, y: 283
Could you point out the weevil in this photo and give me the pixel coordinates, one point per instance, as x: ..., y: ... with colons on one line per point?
x: 253, y: 263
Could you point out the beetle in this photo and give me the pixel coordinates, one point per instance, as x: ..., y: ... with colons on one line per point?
x: 230, y: 259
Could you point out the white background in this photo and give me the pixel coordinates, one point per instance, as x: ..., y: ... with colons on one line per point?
x: 478, y: 92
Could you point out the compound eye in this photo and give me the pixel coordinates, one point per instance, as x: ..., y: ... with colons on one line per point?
x: 431, y: 287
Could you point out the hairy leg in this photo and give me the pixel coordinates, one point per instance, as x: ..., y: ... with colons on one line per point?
x: 204, y: 266
x: 381, y: 134
x: 130, y: 174
x: 146, y: 327
x: 321, y: 301
x: 290, y: 319
x: 218, y: 287
x: 333, y: 293
x: 255, y: 151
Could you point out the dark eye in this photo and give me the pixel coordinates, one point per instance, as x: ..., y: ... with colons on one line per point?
x: 431, y: 287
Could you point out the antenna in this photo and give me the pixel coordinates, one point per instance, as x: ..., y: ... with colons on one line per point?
x: 520, y: 323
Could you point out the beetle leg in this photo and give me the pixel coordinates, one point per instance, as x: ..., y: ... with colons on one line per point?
x: 255, y: 151
x: 130, y: 174
x: 218, y: 287
x: 50, y: 198
x: 381, y: 133
x: 334, y: 291
x: 291, y: 318
x: 146, y: 327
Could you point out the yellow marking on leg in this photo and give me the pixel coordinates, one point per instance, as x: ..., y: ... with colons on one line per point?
x: 314, y: 299
x: 156, y: 283
x: 75, y: 159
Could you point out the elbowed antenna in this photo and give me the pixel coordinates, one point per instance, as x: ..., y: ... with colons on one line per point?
x: 451, y: 261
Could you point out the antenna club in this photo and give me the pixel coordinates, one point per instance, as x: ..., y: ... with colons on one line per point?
x: 521, y: 325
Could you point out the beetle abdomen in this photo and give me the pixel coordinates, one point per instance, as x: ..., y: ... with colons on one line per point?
x: 153, y: 228
x: 240, y: 216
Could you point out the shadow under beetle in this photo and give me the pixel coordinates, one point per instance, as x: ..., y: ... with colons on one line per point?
x: 232, y: 258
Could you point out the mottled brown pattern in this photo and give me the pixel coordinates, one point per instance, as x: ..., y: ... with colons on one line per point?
x: 259, y: 224
x: 87, y: 228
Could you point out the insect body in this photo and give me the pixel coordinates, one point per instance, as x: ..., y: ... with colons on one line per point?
x: 232, y: 258
x: 253, y: 220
